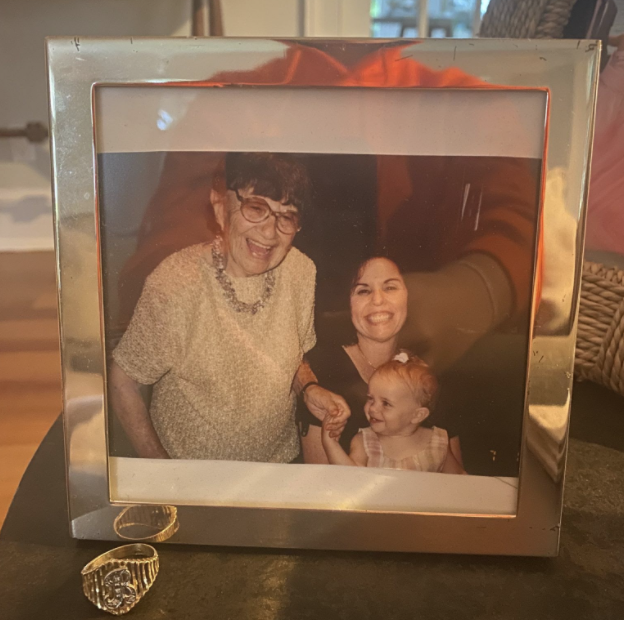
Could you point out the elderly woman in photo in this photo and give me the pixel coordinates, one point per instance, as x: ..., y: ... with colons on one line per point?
x: 220, y: 330
x: 378, y: 300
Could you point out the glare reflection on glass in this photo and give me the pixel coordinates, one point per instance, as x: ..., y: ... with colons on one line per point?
x: 164, y: 121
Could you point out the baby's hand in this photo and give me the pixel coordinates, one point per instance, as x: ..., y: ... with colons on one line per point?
x: 328, y: 430
x: 323, y: 404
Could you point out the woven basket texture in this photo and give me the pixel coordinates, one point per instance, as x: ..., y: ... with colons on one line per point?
x: 600, y: 339
x: 526, y: 19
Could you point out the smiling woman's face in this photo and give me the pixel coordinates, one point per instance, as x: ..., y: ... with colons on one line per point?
x: 379, y: 301
x: 251, y: 248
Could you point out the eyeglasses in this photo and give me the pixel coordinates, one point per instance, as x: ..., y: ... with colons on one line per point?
x: 256, y: 210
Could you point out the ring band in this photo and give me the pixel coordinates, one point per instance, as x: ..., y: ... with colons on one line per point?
x: 147, y: 523
x: 118, y: 579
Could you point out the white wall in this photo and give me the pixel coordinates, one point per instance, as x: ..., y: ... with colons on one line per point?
x: 292, y: 18
x: 261, y: 18
x: 25, y: 194
x: 337, y: 18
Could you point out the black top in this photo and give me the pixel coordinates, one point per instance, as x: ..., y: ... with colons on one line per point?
x: 335, y: 371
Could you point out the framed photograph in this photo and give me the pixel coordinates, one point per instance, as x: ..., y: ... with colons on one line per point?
x: 319, y: 293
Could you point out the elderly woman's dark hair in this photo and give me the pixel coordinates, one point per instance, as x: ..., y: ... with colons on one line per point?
x: 280, y: 176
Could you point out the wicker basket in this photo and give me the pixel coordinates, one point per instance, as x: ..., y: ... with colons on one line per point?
x: 600, y: 341
x: 526, y: 19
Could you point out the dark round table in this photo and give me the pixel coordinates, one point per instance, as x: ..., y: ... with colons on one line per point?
x: 40, y: 564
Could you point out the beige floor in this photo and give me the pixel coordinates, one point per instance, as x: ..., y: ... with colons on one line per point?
x: 30, y: 381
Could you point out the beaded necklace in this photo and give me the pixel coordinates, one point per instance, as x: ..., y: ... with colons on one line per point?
x: 218, y: 261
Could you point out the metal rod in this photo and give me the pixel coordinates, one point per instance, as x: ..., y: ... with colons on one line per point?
x: 216, y: 19
x: 33, y: 132
x: 207, y: 18
x: 201, y: 18
x: 476, y: 18
x: 301, y: 18
x: 423, y: 18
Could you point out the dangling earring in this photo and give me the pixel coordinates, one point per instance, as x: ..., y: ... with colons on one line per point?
x: 217, y: 252
x: 218, y: 241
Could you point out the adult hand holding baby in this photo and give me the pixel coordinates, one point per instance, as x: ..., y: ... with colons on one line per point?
x: 328, y: 407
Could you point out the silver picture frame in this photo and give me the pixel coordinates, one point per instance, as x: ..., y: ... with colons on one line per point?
x: 564, y: 73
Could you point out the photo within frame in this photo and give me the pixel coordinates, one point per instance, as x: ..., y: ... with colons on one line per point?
x: 337, y: 258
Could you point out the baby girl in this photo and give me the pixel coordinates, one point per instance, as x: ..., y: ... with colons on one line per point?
x: 400, y: 396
